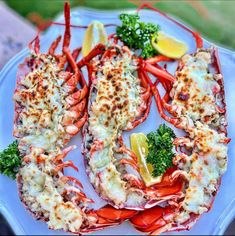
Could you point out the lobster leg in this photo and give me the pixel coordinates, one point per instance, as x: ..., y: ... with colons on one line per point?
x: 65, y: 164
x: 36, y: 42
x: 77, y: 96
x: 125, y: 161
x: 80, y: 94
x: 158, y: 71
x: 125, y: 150
x: 75, y: 128
x: 157, y: 59
x: 71, y: 179
x: 64, y: 153
x: 78, y: 75
x: 74, y: 113
x: 158, y: 101
x: 98, y: 49
x: 54, y: 45
x: 75, y: 55
x: 37, y: 45
x: 134, y: 181
x: 166, y: 83
x: 144, y: 108
x: 144, y: 82
x: 217, y: 65
x: 144, y: 117
x: 80, y: 196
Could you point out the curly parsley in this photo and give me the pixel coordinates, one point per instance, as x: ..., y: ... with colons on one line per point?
x: 137, y: 35
x: 10, y: 160
x: 160, y: 144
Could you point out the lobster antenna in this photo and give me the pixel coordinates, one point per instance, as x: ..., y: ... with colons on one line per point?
x: 67, y: 33
x: 198, y: 39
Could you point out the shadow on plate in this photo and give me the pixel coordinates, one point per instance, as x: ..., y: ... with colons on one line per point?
x: 5, y: 228
x: 231, y: 229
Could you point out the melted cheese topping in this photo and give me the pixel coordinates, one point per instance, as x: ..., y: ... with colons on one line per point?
x: 204, y: 167
x: 116, y: 95
x: 43, y: 192
x: 194, y: 93
x: 42, y: 98
x: 114, y: 104
x: 195, y: 98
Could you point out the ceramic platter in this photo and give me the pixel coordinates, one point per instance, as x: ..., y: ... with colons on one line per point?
x: 223, y: 210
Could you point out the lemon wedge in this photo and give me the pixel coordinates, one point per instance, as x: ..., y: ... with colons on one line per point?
x: 139, y: 146
x: 94, y: 34
x: 169, y: 46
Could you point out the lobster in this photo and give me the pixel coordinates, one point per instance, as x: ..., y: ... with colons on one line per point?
x: 46, y: 91
x: 194, y: 98
x: 49, y: 110
x: 119, y: 100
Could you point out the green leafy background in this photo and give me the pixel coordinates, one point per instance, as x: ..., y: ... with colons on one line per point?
x: 214, y: 19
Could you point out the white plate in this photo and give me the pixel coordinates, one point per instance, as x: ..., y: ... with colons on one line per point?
x: 214, y: 222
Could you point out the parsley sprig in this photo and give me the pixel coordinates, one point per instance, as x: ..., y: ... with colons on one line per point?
x: 10, y: 160
x: 137, y: 35
x: 160, y: 144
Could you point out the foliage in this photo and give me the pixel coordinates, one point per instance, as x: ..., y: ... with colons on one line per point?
x: 160, y: 149
x: 137, y: 35
x: 10, y: 160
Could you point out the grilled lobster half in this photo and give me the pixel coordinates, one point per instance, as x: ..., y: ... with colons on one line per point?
x: 194, y: 99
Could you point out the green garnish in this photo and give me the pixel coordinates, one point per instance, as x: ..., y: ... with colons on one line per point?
x: 137, y: 35
x: 10, y: 160
x: 160, y: 144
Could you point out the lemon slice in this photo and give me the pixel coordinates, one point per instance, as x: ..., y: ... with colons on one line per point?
x: 140, y: 147
x: 95, y: 34
x: 169, y: 46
